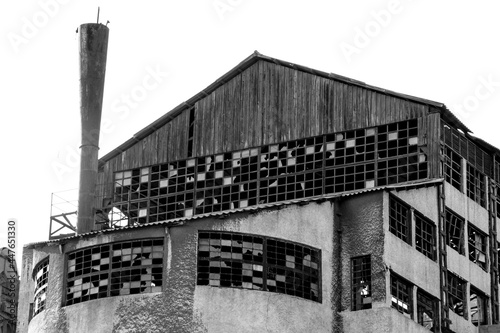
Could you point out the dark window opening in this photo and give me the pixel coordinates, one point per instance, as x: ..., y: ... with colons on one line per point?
x: 259, y: 263
x: 401, y: 295
x: 296, y: 169
x: 456, y: 294
x: 399, y: 219
x: 478, y: 303
x: 361, y: 283
x: 427, y: 309
x: 476, y: 188
x: 453, y: 168
x: 116, y: 269
x: 425, y: 231
x: 477, y: 247
x: 455, y: 231
x: 41, y: 277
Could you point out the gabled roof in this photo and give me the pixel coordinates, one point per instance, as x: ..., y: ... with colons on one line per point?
x: 449, y: 117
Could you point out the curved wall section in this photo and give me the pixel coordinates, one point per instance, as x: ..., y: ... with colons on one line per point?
x: 118, y: 269
x: 40, y: 277
x: 145, y: 279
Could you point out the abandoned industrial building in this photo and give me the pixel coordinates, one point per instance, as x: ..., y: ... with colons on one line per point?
x: 279, y: 199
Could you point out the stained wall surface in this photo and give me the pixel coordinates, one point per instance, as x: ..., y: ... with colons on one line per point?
x: 183, y: 306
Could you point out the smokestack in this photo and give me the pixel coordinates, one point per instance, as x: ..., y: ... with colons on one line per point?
x: 93, y: 52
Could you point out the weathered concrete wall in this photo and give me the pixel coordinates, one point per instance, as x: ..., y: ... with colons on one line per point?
x: 403, y: 258
x: 239, y: 310
x: 470, y: 210
x: 26, y: 289
x: 490, y: 329
x: 183, y: 306
x: 362, y: 234
x: 380, y: 320
x: 460, y: 324
x: 424, y: 200
x: 412, y: 265
x: 53, y: 319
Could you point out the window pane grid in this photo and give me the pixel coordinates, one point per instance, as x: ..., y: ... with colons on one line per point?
x: 114, y: 269
x: 456, y: 292
x: 425, y: 232
x: 401, y: 295
x: 476, y: 188
x: 426, y: 309
x: 361, y: 293
x: 399, y: 222
x: 478, y: 304
x: 477, y: 247
x: 259, y: 263
x: 454, y: 231
x: 453, y: 168
x: 40, y: 276
x: 296, y: 169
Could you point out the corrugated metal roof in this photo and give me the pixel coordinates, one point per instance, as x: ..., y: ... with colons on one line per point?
x: 252, y: 59
x: 182, y: 220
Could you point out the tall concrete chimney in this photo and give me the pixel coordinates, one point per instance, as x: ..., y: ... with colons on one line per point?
x: 93, y: 52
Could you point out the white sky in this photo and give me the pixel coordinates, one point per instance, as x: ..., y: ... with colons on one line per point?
x: 447, y: 51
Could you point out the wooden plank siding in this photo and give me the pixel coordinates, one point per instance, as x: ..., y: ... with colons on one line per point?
x: 264, y: 104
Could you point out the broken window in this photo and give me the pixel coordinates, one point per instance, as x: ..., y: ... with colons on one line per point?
x: 399, y: 219
x: 361, y: 283
x: 498, y: 200
x: 296, y: 169
x: 478, y: 305
x: 350, y: 160
x: 455, y: 231
x: 259, y: 263
x: 477, y: 247
x: 456, y: 294
x: 476, y: 188
x: 41, y: 277
x: 427, y: 309
x: 399, y: 157
x: 115, y: 269
x: 453, y: 168
x: 425, y: 231
x: 401, y: 295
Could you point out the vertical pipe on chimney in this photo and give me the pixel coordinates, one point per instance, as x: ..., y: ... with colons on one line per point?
x: 93, y: 52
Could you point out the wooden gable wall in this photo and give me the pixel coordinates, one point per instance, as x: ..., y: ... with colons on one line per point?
x: 269, y: 103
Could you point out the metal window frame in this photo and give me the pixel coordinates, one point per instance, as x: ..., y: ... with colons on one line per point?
x: 365, y: 166
x: 482, y: 309
x: 402, y: 288
x: 365, y: 274
x: 265, y: 263
x: 39, y: 285
x: 425, y: 236
x: 426, y: 301
x: 108, y: 271
x: 476, y: 248
x: 401, y: 210
x: 451, y: 219
x: 456, y: 293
